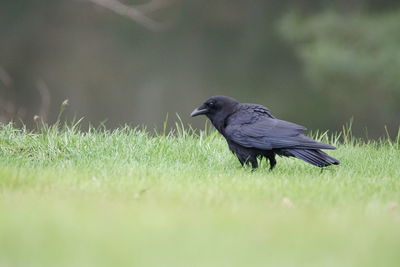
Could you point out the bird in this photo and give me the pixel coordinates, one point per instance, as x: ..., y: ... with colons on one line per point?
x: 253, y: 133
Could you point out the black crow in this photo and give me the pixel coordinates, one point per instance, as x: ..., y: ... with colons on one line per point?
x: 253, y: 132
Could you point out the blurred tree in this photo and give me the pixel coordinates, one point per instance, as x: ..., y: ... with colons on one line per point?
x: 354, y: 59
x: 111, y: 67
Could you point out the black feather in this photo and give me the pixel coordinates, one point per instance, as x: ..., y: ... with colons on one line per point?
x: 313, y: 156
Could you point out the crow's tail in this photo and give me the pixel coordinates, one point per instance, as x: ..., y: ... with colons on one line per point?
x: 313, y: 156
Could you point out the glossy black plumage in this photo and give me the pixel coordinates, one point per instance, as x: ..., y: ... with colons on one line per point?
x: 253, y: 132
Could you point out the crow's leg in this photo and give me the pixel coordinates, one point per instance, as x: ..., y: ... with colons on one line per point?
x: 272, y: 161
x: 241, y: 159
x: 247, y: 158
x: 254, y: 162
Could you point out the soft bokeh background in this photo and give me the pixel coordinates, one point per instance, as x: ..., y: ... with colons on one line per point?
x: 318, y: 63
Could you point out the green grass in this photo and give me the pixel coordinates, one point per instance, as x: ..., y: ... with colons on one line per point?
x: 130, y: 198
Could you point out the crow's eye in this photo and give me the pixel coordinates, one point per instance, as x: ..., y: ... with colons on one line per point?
x: 211, y: 104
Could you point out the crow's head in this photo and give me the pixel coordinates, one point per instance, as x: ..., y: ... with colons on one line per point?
x: 216, y: 108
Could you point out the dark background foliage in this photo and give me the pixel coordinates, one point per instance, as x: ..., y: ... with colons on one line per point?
x: 318, y: 63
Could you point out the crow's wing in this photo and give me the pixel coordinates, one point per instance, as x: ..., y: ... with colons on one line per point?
x: 250, y: 113
x: 256, y: 109
x: 269, y: 133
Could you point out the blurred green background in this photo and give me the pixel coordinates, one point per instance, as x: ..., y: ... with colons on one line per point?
x: 318, y: 63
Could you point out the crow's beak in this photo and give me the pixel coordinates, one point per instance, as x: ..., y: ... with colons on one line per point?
x: 199, y: 111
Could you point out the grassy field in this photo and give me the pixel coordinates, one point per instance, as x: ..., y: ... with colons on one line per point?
x: 130, y: 198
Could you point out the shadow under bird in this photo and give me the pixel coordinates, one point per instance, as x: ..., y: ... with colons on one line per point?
x: 252, y: 132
